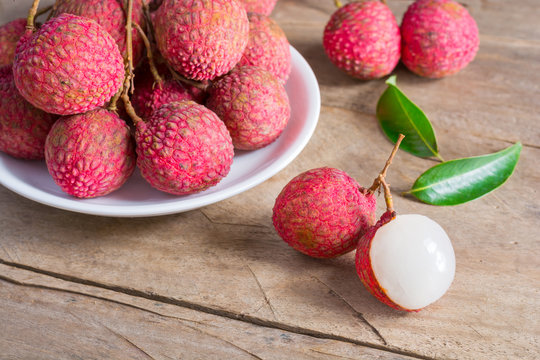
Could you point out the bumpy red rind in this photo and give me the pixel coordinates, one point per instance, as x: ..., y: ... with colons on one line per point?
x: 10, y: 34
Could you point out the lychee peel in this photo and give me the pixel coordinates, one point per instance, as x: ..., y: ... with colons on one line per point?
x: 253, y: 104
x: 23, y: 127
x: 183, y: 148
x: 90, y: 154
x: 263, y: 7
x: 70, y: 65
x: 10, y: 34
x: 323, y: 212
x: 363, y: 39
x: 439, y: 38
x: 201, y: 39
x: 267, y: 47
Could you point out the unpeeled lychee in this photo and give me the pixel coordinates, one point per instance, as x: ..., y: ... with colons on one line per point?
x: 201, y: 39
x: 110, y: 15
x: 183, y: 148
x: 70, y: 65
x: 10, y: 34
x: 439, y: 38
x: 90, y: 154
x: 263, y: 7
x: 362, y: 38
x: 323, y: 212
x: 267, y: 47
x: 253, y: 104
x: 23, y: 127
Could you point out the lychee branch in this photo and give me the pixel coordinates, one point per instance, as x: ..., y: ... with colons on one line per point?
x: 30, y: 26
x: 158, y: 79
x: 338, y: 3
x: 129, y: 41
x: 380, y: 179
x: 44, y: 10
x: 203, y: 85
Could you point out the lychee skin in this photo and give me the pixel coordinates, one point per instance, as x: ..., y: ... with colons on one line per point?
x: 109, y: 14
x: 323, y: 212
x: 10, y: 34
x: 267, y: 47
x: 363, y: 39
x: 183, y: 148
x: 201, y: 39
x: 69, y: 66
x: 90, y: 154
x: 439, y: 38
x: 263, y: 7
x: 23, y: 127
x: 253, y: 104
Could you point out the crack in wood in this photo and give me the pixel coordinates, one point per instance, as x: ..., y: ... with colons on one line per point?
x: 266, y: 299
x: 232, y: 224
x: 327, y: 353
x: 128, y: 341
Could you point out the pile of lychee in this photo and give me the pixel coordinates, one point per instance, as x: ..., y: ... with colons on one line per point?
x: 171, y: 87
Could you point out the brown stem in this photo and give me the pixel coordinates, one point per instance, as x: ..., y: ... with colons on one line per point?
x: 131, y: 111
x: 202, y: 85
x: 44, y: 10
x: 150, y: 25
x: 338, y: 3
x: 153, y: 69
x: 378, y: 181
x: 30, y: 26
x: 129, y: 42
x: 387, y: 195
x: 112, y: 104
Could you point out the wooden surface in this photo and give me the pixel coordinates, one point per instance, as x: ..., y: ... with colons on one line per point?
x: 218, y: 283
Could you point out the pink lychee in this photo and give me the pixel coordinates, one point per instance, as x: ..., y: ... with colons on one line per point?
x: 23, y: 127
x: 69, y: 66
x: 90, y: 154
x: 10, y: 34
x: 253, y: 104
x: 110, y: 15
x: 439, y: 38
x: 201, y: 39
x: 363, y: 39
x: 183, y: 148
x: 267, y: 47
x: 323, y: 212
x: 263, y: 7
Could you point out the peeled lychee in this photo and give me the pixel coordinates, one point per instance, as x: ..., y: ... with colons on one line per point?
x: 263, y: 7
x: 90, y: 154
x: 112, y: 18
x: 406, y: 261
x: 267, y: 47
x: 201, y: 39
x: 439, y: 38
x: 69, y: 66
x: 183, y: 148
x: 253, y: 104
x: 323, y: 212
x: 10, y: 34
x: 23, y: 127
x: 362, y: 38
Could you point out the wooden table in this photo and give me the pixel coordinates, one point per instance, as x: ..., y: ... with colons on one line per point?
x: 218, y: 282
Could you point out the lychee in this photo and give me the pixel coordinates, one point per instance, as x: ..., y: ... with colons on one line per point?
x: 439, y: 38
x: 252, y: 103
x: 23, y: 127
x: 323, y: 212
x: 90, y: 154
x: 10, y: 34
x: 201, y: 39
x: 362, y: 38
x: 110, y: 15
x: 69, y: 66
x: 267, y: 47
x: 183, y: 148
x: 263, y: 7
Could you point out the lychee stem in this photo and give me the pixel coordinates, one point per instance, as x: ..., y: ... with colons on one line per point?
x: 203, y: 85
x: 129, y: 41
x: 158, y: 79
x: 380, y: 179
x: 338, y: 3
x: 387, y: 195
x: 30, y: 26
x: 44, y: 10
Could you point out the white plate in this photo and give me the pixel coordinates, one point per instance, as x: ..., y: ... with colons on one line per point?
x: 137, y: 198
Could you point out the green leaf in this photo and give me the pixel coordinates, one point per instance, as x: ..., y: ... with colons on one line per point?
x: 458, y: 181
x: 399, y: 115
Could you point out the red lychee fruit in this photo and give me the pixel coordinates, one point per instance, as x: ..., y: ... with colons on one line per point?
x: 69, y: 66
x: 362, y: 38
x: 112, y: 18
x: 201, y: 39
x: 263, y: 7
x: 10, y: 34
x: 323, y: 212
x: 183, y: 148
x: 253, y: 104
x: 267, y: 47
x: 90, y: 154
x: 439, y: 38
x: 23, y: 127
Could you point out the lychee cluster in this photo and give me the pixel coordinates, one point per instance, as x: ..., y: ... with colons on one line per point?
x: 212, y: 80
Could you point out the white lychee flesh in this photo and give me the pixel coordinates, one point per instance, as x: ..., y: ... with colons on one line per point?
x: 413, y: 260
